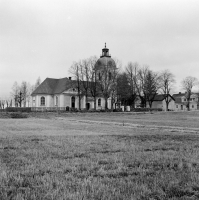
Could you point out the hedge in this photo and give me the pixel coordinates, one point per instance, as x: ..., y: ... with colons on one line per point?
x: 145, y: 109
x: 18, y: 109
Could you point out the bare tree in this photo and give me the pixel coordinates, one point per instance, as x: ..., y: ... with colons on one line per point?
x: 38, y: 82
x: 132, y: 71
x: 187, y: 84
x: 108, y: 82
x: 15, y: 93
x: 167, y: 81
x: 20, y: 98
x: 85, y: 77
x: 140, y: 74
x: 7, y: 102
x: 94, y: 86
x: 75, y: 70
x: 24, y: 91
x: 2, y: 104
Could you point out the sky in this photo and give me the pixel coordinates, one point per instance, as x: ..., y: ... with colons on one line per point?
x: 42, y: 38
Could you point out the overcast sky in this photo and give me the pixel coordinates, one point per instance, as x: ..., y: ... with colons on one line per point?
x: 44, y: 37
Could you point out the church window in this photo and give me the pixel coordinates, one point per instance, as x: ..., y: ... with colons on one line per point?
x: 56, y: 101
x: 99, y: 102
x: 73, y: 102
x: 99, y: 76
x: 42, y: 101
x: 109, y: 75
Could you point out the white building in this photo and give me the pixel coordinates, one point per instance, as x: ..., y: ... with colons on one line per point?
x: 62, y: 93
x: 181, y: 102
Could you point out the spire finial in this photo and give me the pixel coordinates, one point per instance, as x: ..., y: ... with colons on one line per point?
x: 105, y: 44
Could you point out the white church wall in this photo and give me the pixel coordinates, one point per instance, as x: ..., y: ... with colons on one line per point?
x: 61, y: 100
x: 67, y: 101
x: 83, y: 102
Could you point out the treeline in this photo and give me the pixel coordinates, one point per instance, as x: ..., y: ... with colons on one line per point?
x: 20, y: 95
x: 126, y: 85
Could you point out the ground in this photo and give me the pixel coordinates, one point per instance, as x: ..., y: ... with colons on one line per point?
x: 100, y: 156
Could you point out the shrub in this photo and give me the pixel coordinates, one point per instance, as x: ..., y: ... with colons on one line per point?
x: 145, y: 109
x: 117, y: 110
x: 74, y: 110
x: 18, y: 115
x: 18, y: 109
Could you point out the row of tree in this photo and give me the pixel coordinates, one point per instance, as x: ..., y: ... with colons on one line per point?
x: 88, y: 83
x: 20, y: 95
x: 126, y: 86
x: 123, y: 86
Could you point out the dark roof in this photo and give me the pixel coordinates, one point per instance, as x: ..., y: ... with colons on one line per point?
x: 178, y: 95
x: 161, y: 97
x: 178, y: 100
x: 53, y: 86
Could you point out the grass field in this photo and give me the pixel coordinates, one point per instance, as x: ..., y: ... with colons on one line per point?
x: 100, y: 156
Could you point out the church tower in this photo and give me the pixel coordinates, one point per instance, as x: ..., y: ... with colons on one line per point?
x: 105, y: 66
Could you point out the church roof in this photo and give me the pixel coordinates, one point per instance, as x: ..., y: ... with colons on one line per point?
x: 53, y: 86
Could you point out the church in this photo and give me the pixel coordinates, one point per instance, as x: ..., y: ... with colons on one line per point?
x: 62, y: 94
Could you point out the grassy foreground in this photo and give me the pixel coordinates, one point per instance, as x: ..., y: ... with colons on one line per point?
x: 65, y: 158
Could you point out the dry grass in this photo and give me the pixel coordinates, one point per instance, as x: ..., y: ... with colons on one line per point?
x: 81, y: 156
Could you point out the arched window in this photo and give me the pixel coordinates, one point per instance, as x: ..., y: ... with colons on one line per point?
x: 99, y: 102
x: 109, y: 75
x: 73, y: 102
x: 42, y: 101
x: 99, y: 77
x: 56, y: 101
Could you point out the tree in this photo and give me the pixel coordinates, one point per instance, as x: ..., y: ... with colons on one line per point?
x: 76, y: 71
x: 15, y: 92
x: 24, y: 90
x: 108, y: 83
x: 131, y: 71
x: 187, y: 84
x: 151, y: 86
x: 94, y: 86
x: 38, y: 82
x: 139, y: 81
x: 2, y: 104
x: 86, y: 76
x: 167, y: 81
x: 20, y: 98
x: 123, y: 88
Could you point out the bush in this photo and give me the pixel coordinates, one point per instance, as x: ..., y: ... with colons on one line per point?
x: 74, y: 110
x: 117, y: 110
x: 18, y: 109
x: 18, y: 115
x: 145, y: 109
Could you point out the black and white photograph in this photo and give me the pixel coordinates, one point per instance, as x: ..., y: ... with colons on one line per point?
x: 99, y: 100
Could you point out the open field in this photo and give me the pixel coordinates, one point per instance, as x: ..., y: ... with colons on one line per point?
x: 100, y: 156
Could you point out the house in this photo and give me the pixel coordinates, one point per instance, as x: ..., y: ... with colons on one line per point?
x: 159, y: 102
x: 62, y: 93
x: 181, y: 101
